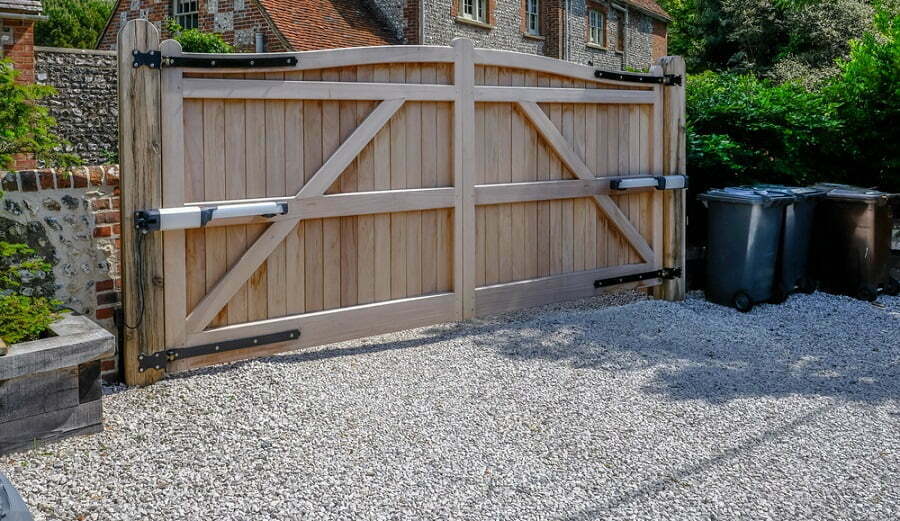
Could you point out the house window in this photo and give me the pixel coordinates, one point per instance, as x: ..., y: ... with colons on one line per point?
x: 475, y: 10
x: 187, y: 13
x: 596, y: 34
x: 532, y: 17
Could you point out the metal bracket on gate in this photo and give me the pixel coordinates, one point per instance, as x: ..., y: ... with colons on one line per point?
x: 155, y: 60
x: 160, y: 359
x: 665, y: 274
x: 668, y: 79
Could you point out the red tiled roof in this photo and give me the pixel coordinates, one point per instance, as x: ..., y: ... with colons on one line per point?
x: 651, y: 7
x: 326, y: 24
x: 31, y: 6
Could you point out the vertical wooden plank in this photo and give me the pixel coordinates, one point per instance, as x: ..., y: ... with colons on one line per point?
x: 504, y: 151
x: 492, y: 130
x: 275, y: 186
x: 590, y: 209
x: 214, y: 186
x: 464, y: 177
x: 235, y: 188
x: 517, y: 174
x: 398, y: 181
x: 173, y: 188
x: 603, y: 136
x: 366, y: 223
x: 626, y: 253
x: 141, y: 169
x: 349, y: 183
x: 579, y: 211
x: 445, y: 177
x: 294, y: 243
x: 413, y: 180
x: 543, y: 207
x: 531, y: 251
x: 331, y: 228
x: 313, y: 233
x: 428, y: 242
x: 195, y: 240
x: 255, y: 139
x: 480, y: 177
x: 568, y: 205
x: 557, y: 171
x: 382, y: 222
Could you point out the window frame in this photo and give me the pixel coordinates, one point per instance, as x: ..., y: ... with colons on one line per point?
x: 479, y: 10
x: 536, y: 14
x: 180, y: 16
x: 600, y: 28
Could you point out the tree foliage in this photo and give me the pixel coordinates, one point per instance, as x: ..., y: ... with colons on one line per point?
x: 193, y: 40
x: 73, y: 23
x: 25, y: 126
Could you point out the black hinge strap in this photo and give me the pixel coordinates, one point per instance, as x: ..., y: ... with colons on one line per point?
x: 668, y: 79
x: 665, y: 274
x: 155, y: 60
x: 160, y: 359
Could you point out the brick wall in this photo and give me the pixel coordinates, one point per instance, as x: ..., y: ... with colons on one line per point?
x: 660, y: 40
x: 236, y: 20
x: 71, y: 218
x: 21, y: 52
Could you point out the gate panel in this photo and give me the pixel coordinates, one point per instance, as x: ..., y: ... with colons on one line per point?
x: 423, y: 185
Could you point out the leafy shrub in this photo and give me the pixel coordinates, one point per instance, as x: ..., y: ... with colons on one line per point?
x: 25, y: 126
x: 73, y: 23
x: 23, y: 316
x: 193, y: 40
x: 867, y: 96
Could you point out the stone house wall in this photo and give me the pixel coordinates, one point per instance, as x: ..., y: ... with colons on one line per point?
x: 236, y: 20
x: 86, y: 103
x: 71, y: 218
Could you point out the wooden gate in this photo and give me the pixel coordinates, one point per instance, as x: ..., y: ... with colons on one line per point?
x: 424, y: 185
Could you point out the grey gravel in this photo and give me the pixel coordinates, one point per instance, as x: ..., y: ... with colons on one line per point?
x: 583, y: 411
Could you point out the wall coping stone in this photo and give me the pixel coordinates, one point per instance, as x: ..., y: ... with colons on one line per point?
x: 78, y: 340
x: 65, y: 50
x: 59, y: 178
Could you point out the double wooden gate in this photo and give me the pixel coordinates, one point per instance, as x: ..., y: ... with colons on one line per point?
x: 424, y: 185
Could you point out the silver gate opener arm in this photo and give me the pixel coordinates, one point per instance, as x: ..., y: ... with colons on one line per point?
x: 189, y: 217
x: 668, y: 182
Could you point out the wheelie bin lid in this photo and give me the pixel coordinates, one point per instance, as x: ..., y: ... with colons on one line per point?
x: 748, y: 195
x: 801, y: 192
x: 854, y: 193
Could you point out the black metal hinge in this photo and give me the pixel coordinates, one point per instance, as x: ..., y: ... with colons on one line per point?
x: 160, y: 359
x: 668, y: 79
x: 155, y: 60
x: 665, y: 274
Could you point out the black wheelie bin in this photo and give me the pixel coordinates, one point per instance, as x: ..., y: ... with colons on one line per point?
x: 794, y: 256
x: 745, y: 228
x: 12, y: 507
x: 852, y: 242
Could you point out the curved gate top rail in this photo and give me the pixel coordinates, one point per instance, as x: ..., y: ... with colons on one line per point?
x: 414, y: 185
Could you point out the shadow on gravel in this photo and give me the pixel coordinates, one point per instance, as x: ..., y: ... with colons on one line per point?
x: 814, y: 346
x: 678, y: 475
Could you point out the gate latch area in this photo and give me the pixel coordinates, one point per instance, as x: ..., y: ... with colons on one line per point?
x: 665, y: 273
x: 160, y: 359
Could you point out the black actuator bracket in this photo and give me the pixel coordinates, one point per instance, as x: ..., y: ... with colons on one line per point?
x: 665, y: 274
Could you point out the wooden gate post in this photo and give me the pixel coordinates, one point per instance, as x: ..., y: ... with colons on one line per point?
x: 140, y: 166
x: 674, y: 163
x: 464, y: 177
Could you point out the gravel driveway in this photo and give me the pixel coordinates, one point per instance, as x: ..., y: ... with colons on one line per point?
x: 651, y: 410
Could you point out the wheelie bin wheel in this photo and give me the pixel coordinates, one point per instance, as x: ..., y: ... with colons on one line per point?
x: 892, y: 287
x: 742, y: 302
x: 808, y: 285
x: 867, y: 293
